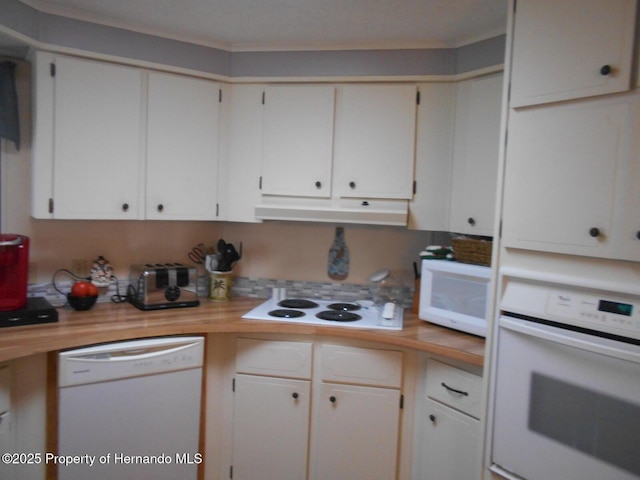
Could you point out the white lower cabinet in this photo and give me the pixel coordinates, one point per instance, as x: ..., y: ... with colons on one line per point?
x: 348, y: 428
x: 449, y: 442
x: 356, y: 435
x: 272, y: 398
x: 271, y: 428
x: 356, y: 418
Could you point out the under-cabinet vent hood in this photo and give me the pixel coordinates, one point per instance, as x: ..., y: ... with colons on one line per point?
x: 334, y: 210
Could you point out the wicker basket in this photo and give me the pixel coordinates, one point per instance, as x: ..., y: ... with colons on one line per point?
x: 471, y: 250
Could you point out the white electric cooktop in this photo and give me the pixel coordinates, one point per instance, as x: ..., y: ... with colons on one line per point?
x: 360, y: 314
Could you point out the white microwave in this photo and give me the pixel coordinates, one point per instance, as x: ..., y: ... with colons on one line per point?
x: 455, y: 295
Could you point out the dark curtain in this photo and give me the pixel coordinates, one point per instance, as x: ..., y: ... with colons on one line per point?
x: 9, y: 125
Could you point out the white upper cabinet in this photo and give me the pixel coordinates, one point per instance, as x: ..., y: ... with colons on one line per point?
x: 371, y: 156
x: 571, y: 49
x: 571, y: 179
x: 375, y: 141
x: 338, y: 153
x: 429, y: 208
x: 182, y: 148
x: 87, y: 139
x: 115, y: 142
x: 298, y: 141
x: 244, y: 160
x: 475, y: 155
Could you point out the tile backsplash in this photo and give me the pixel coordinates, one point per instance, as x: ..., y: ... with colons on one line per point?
x: 248, y: 287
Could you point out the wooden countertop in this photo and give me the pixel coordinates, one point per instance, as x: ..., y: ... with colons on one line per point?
x: 108, y: 322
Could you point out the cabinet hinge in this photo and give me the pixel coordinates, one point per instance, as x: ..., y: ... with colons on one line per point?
x: 233, y: 385
x: 260, y: 184
x: 231, y: 471
x: 51, y: 205
x: 418, y: 97
x: 220, y: 95
x: 500, y: 229
x: 217, y: 209
x: 401, y: 402
x: 263, y: 97
x: 52, y: 69
x: 415, y: 186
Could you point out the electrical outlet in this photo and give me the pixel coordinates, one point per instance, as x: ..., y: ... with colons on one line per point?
x: 32, y: 273
x: 80, y: 267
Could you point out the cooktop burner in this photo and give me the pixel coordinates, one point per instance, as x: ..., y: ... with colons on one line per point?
x: 285, y: 313
x: 347, y: 307
x: 338, y: 315
x: 297, y: 303
x: 361, y: 314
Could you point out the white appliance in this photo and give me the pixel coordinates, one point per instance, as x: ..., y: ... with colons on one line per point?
x: 361, y: 314
x: 131, y: 410
x: 567, y: 382
x: 455, y: 295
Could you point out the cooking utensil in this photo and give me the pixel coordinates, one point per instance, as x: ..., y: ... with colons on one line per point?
x: 198, y: 254
x: 211, y: 262
x: 228, y: 256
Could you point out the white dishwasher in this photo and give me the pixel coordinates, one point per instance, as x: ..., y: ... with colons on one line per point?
x: 130, y: 410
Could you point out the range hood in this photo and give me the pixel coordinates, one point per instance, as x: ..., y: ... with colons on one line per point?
x: 334, y: 210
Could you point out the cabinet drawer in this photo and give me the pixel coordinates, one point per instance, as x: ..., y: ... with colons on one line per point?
x: 273, y: 358
x: 365, y: 366
x: 454, y: 387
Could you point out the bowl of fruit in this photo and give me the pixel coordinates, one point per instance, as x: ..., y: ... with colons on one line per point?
x: 83, y: 295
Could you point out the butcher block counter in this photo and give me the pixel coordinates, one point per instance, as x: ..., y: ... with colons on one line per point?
x: 107, y: 322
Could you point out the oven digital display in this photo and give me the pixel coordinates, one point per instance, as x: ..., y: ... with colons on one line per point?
x: 615, y: 307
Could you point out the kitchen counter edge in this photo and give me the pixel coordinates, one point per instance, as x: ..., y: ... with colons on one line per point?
x: 108, y: 322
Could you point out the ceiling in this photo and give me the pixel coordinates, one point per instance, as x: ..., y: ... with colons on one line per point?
x: 238, y: 25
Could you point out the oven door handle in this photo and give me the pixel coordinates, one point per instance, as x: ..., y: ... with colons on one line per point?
x: 504, y: 473
x: 583, y: 341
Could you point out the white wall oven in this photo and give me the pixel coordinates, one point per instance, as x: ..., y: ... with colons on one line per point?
x: 566, y: 390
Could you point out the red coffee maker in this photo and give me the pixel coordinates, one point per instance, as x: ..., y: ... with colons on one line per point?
x: 14, y: 271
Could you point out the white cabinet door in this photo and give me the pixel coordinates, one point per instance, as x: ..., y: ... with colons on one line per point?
x: 245, y: 153
x: 356, y: 433
x: 475, y: 155
x: 182, y: 148
x: 270, y: 428
x: 626, y: 219
x: 450, y: 447
x: 375, y: 141
x: 97, y: 144
x: 565, y: 171
x: 298, y: 141
x: 561, y: 50
x: 429, y: 208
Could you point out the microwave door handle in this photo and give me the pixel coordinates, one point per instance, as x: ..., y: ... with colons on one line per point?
x: 571, y: 339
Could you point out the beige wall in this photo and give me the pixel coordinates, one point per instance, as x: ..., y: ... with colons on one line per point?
x: 282, y: 250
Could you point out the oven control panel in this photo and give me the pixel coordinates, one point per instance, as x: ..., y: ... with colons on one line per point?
x: 594, y: 311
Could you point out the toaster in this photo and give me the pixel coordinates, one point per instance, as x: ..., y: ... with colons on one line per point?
x: 155, y: 286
